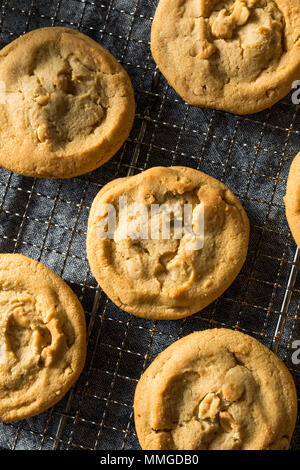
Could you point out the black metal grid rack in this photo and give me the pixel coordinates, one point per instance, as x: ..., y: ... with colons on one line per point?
x: 46, y: 220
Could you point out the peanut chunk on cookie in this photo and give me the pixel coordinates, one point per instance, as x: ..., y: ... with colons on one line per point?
x: 209, y: 406
x: 202, y: 48
x: 224, y: 24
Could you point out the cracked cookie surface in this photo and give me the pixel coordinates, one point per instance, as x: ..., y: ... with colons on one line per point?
x: 216, y: 390
x: 66, y: 104
x: 292, y: 199
x: 241, y: 56
x: 158, y: 278
x: 42, y: 337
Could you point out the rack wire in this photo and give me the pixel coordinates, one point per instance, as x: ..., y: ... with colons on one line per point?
x: 47, y: 219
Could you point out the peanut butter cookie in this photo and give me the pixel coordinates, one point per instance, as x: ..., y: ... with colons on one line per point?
x: 66, y: 104
x: 148, y: 262
x: 42, y: 337
x: 216, y: 390
x: 240, y: 56
x: 292, y: 199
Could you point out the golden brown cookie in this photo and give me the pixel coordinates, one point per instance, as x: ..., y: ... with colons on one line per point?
x: 292, y: 199
x: 66, y: 104
x: 216, y: 390
x: 240, y: 56
x: 153, y: 276
x: 42, y: 337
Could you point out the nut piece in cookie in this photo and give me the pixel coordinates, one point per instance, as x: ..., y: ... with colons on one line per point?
x: 167, y: 242
x: 68, y: 104
x: 240, y: 56
x: 292, y: 199
x: 216, y: 390
x: 42, y: 338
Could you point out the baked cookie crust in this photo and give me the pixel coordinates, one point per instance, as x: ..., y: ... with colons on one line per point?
x: 292, y: 199
x: 167, y: 278
x: 216, y: 390
x: 66, y: 104
x: 240, y: 56
x: 42, y: 337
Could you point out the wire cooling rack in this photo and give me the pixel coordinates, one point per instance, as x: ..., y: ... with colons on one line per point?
x: 47, y: 220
